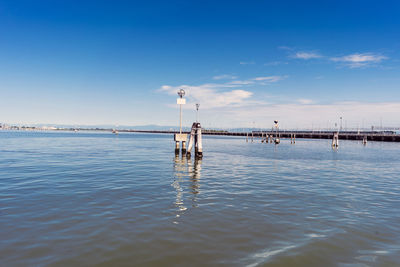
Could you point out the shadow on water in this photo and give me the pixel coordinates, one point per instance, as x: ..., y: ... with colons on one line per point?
x: 186, y: 171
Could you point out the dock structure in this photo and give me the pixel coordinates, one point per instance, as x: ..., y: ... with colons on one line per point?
x: 372, y: 136
x: 293, y: 138
x: 180, y: 137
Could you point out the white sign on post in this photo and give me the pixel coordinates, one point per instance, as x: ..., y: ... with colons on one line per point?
x: 181, y: 101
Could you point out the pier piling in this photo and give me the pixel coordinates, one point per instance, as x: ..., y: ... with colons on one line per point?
x: 335, y: 140
x: 183, y: 147
x: 176, y: 147
x: 365, y: 140
x: 195, y: 140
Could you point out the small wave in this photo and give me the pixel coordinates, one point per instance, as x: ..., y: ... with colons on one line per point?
x: 315, y: 235
x: 262, y: 256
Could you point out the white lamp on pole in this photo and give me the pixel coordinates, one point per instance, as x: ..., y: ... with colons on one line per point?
x: 197, y: 112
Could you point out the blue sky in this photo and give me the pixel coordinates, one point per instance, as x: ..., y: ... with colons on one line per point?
x: 305, y: 63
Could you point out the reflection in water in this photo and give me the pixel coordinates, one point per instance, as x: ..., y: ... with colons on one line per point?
x: 195, y: 172
x: 186, y: 171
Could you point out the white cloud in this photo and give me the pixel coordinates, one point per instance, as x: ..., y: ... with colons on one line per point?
x: 247, y: 63
x: 258, y: 80
x: 245, y: 82
x: 305, y: 101
x: 165, y: 87
x: 211, y: 95
x: 227, y: 105
x: 219, y: 95
x: 224, y: 77
x: 269, y: 78
x: 275, y: 63
x: 306, y: 55
x: 284, y: 47
x: 359, y: 60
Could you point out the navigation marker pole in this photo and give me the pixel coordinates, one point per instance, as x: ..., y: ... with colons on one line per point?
x: 180, y: 137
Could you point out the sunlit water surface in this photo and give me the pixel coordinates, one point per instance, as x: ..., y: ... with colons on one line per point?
x: 73, y: 199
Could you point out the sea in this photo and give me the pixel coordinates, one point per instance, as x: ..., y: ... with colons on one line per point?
x: 101, y: 199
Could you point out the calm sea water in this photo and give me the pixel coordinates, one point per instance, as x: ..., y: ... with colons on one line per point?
x: 73, y: 199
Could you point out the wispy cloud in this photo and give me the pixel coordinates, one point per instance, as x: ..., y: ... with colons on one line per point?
x: 247, y: 62
x: 271, y: 79
x: 258, y: 80
x: 305, y: 101
x: 359, y: 60
x: 284, y: 47
x: 243, y: 82
x: 275, y: 63
x: 224, y: 77
x: 306, y: 55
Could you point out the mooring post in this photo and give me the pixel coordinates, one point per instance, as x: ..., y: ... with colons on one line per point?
x: 252, y: 136
x: 196, y: 141
x: 247, y: 137
x: 199, y: 152
x: 335, y: 140
x: 191, y: 140
x: 365, y: 140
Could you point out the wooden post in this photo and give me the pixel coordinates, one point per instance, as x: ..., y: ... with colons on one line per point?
x: 195, y: 140
x: 365, y: 140
x: 335, y: 140
x: 191, y: 140
x: 199, y: 152
x: 247, y: 137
